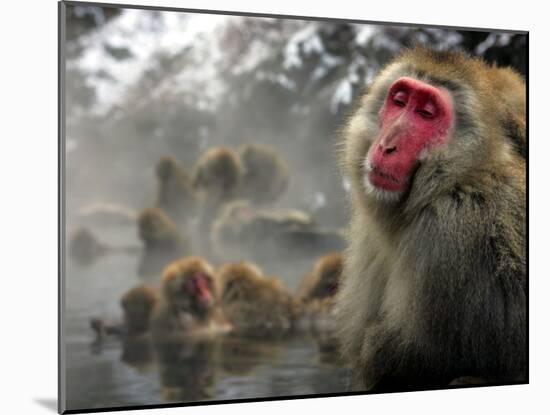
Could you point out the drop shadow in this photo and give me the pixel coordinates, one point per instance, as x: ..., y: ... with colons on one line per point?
x: 48, y: 403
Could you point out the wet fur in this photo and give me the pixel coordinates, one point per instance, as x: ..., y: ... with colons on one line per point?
x: 255, y: 305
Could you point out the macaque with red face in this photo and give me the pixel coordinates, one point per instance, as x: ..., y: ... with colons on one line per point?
x: 188, y: 304
x: 434, y: 281
x: 413, y: 122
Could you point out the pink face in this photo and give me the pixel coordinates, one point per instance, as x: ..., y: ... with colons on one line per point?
x: 198, y: 287
x: 414, y: 119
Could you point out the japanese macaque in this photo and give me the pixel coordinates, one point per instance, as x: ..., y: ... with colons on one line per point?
x: 85, y: 248
x: 176, y: 195
x: 266, y: 174
x: 137, y: 306
x: 317, y: 292
x: 217, y: 180
x: 267, y: 235
x: 317, y: 296
x: 188, y: 304
x: 254, y: 304
x: 434, y: 281
x: 162, y: 240
x: 322, y: 282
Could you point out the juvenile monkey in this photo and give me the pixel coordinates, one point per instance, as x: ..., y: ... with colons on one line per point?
x: 434, y: 282
x: 323, y: 280
x: 265, y: 174
x: 176, y: 195
x: 162, y: 241
x: 217, y: 180
x: 137, y: 306
x: 255, y: 305
x: 317, y: 295
x: 85, y: 248
x: 188, y: 304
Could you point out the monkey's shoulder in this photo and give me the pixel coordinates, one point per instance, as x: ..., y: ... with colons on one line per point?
x: 473, y: 226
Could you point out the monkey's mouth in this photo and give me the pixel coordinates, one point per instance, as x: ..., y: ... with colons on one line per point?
x: 382, y: 179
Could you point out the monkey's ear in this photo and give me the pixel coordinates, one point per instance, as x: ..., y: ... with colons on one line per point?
x: 515, y: 131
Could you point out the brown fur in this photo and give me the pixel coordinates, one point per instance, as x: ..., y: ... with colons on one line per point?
x: 316, y: 295
x: 137, y: 305
x: 217, y: 179
x: 434, y: 284
x: 162, y: 240
x: 176, y: 314
x: 219, y: 173
x: 266, y: 174
x: 323, y: 280
x: 254, y: 304
x: 176, y: 195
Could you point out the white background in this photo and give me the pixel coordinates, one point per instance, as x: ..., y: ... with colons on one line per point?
x: 28, y: 215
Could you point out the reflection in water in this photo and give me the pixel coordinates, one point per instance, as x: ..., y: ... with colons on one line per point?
x: 186, y: 369
x: 137, y: 352
x: 121, y: 371
x: 240, y: 356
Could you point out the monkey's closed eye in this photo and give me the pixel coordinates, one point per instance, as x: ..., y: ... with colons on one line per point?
x: 425, y: 114
x: 428, y: 110
x: 400, y: 98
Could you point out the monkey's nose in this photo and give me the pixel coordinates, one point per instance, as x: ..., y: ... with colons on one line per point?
x: 387, y: 148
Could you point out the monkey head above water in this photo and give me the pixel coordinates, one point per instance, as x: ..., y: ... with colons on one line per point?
x: 162, y: 241
x: 434, y: 281
x: 84, y: 247
x: 218, y: 174
x: 316, y: 295
x: 266, y: 174
x: 137, y: 305
x: 176, y: 195
x: 188, y: 300
x: 217, y: 180
x: 323, y: 281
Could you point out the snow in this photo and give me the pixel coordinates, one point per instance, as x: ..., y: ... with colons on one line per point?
x: 494, y: 39
x: 134, y: 30
x: 305, y: 41
x: 342, y: 96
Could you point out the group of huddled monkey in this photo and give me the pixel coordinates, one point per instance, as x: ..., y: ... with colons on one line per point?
x: 223, y: 209
x: 432, y: 287
x: 197, y: 300
x: 197, y: 236
x: 235, y: 311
